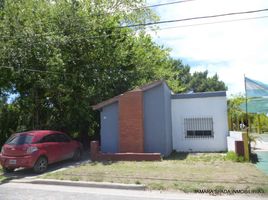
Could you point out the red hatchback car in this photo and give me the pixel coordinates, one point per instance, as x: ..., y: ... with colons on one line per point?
x: 36, y: 149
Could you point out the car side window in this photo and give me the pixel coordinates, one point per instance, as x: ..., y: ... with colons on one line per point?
x: 48, y: 138
x: 62, y: 138
x: 66, y: 138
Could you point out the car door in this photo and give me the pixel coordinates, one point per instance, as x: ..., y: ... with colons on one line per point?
x: 51, y: 147
x: 66, y: 146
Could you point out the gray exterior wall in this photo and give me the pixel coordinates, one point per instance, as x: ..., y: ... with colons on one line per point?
x: 168, y: 120
x: 157, y: 120
x: 109, y: 128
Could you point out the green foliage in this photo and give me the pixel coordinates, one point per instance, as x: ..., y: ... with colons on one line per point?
x: 231, y: 156
x: 200, y: 82
x: 181, y: 80
x: 64, y: 56
x: 258, y: 123
x: 76, y: 59
x: 234, y: 157
x: 234, y: 104
x: 235, y: 113
x: 9, y: 119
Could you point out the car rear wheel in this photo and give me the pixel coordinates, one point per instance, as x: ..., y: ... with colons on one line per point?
x: 77, y: 155
x: 41, y: 165
x: 8, y: 170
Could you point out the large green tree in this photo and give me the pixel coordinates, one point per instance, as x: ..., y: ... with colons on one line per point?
x: 183, y: 80
x: 60, y: 57
x: 200, y: 82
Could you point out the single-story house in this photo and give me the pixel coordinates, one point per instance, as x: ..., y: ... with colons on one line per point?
x: 152, y: 119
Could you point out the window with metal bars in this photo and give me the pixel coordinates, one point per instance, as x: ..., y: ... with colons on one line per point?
x: 198, y: 127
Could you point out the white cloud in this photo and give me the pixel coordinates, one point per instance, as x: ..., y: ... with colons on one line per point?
x: 228, y: 49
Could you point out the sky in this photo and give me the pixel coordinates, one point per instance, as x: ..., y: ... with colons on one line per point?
x: 230, y: 49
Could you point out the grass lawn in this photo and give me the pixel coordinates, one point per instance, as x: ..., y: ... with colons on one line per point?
x: 2, y: 177
x: 186, y: 172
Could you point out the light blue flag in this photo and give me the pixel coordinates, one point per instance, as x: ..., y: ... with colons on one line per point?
x: 257, y: 94
x: 256, y: 88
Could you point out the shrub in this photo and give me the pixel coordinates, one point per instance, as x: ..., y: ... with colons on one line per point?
x: 234, y: 157
x: 240, y: 159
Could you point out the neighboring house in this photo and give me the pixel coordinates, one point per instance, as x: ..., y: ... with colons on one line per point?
x: 151, y: 119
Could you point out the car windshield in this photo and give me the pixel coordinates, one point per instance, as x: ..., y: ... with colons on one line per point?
x: 20, y: 139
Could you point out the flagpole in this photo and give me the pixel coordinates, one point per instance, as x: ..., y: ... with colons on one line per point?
x: 246, y: 99
x: 247, y: 112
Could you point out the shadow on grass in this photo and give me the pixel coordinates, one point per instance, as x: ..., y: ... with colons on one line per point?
x: 177, y: 156
x: 196, y: 156
x: 173, y: 156
x: 108, y: 162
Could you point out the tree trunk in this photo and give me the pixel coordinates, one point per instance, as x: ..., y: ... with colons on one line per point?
x: 259, y: 124
x: 84, y: 127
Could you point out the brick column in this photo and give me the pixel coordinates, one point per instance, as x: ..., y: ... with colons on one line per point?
x: 94, y: 150
x: 131, y: 133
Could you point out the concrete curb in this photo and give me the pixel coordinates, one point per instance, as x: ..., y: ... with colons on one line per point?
x: 106, y: 185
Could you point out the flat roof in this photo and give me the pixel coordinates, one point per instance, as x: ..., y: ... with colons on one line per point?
x: 199, y: 95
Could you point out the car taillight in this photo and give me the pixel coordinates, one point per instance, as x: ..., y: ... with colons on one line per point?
x: 31, y: 149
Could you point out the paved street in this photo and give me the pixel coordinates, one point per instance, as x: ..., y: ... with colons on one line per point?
x: 261, y: 143
x: 260, y: 147
x: 24, y: 191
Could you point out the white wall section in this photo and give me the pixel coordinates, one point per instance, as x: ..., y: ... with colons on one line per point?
x: 205, y: 106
